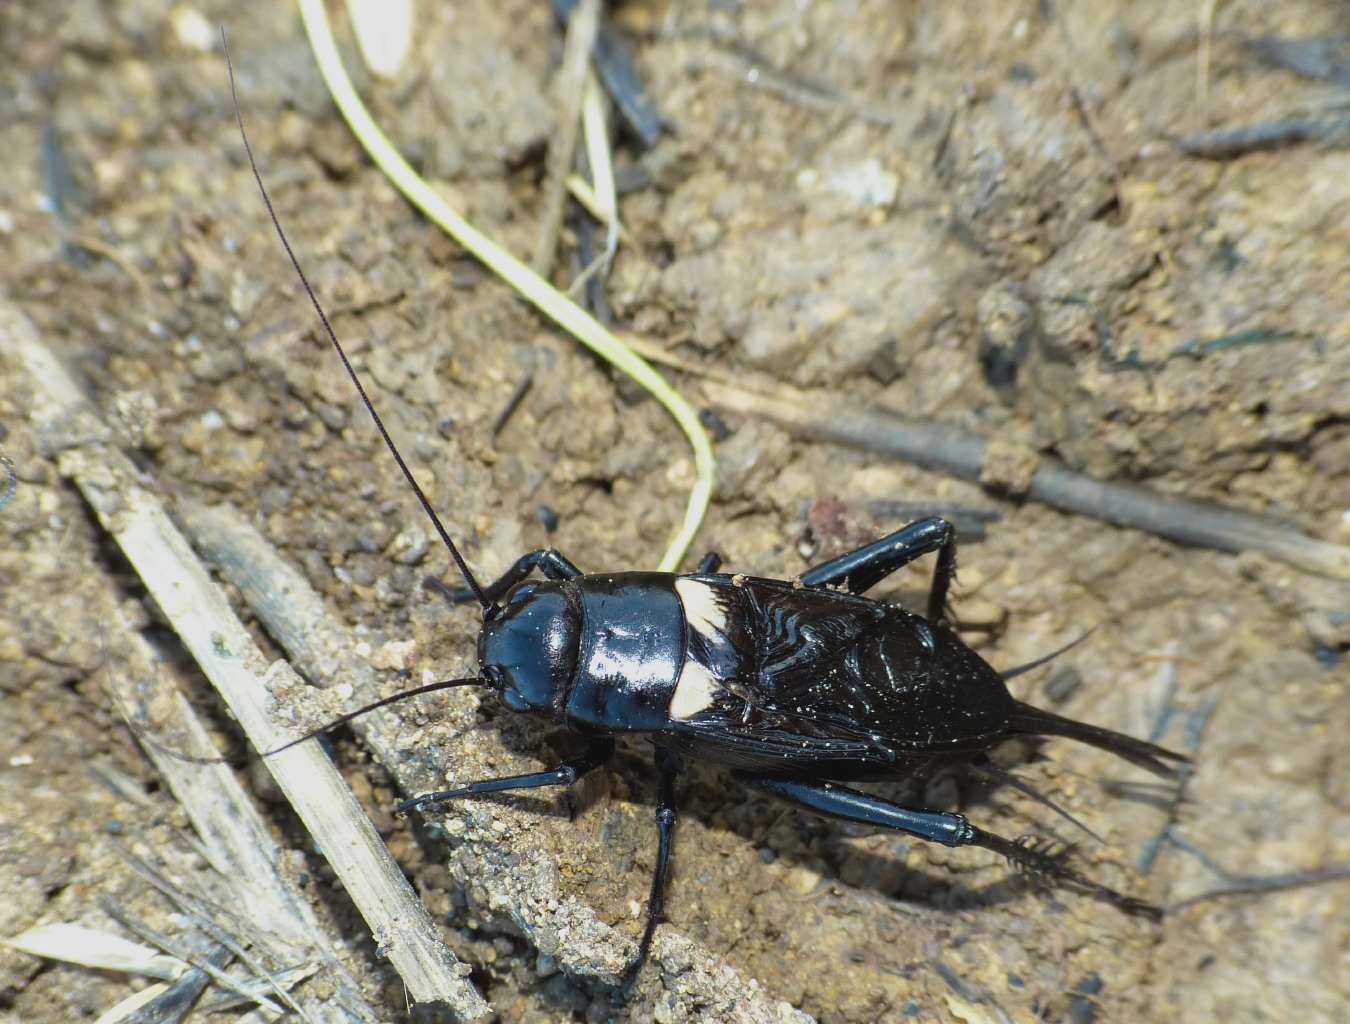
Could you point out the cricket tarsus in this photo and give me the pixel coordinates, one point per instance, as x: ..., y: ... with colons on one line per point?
x: 356, y: 380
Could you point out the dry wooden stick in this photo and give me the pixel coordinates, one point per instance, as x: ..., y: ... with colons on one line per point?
x: 233, y: 833
x: 214, y: 919
x: 582, y: 27
x: 952, y: 450
x: 221, y: 645
x: 595, y: 128
x: 292, y: 611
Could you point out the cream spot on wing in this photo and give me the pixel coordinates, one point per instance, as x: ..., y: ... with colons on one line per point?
x: 703, y: 609
x: 694, y: 691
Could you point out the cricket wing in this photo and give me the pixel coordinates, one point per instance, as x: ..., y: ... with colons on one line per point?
x: 839, y: 667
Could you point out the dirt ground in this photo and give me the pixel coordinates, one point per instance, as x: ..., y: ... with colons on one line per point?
x: 973, y: 213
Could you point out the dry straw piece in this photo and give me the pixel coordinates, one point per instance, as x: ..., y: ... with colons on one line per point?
x: 547, y: 299
x: 127, y: 506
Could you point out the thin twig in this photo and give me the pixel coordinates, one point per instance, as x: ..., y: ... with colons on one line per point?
x: 1325, y: 59
x: 621, y: 80
x: 173, y: 1005
x: 168, y: 945
x: 571, y: 86
x: 1205, y: 20
x: 734, y: 57
x: 512, y: 404
x: 1170, y: 677
x: 283, y: 980
x: 1238, y: 885
x: 1227, y: 143
x: 110, y: 253
x: 600, y: 157
x: 595, y: 125
x: 198, y: 909
x: 596, y: 300
x: 291, y: 610
x: 977, y: 995
x: 653, y: 352
x: 951, y: 450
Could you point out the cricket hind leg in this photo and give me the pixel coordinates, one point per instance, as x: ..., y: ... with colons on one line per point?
x: 860, y: 570
x: 597, y: 753
x: 1033, y: 858
x: 552, y: 563
x: 668, y: 765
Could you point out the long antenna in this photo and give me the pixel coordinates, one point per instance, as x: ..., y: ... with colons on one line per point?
x: 360, y: 389
x: 444, y: 684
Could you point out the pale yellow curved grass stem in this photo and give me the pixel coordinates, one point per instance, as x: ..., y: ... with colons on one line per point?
x: 552, y: 303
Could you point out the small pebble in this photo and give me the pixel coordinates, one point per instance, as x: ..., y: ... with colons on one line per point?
x: 714, y: 424
x: 192, y: 29
x: 1062, y: 685
x: 802, y: 880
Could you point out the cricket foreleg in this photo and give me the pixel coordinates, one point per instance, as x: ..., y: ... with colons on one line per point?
x: 594, y: 756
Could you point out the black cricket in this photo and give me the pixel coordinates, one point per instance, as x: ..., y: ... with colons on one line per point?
x: 796, y: 686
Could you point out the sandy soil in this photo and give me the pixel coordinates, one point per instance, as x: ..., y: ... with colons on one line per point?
x: 970, y: 213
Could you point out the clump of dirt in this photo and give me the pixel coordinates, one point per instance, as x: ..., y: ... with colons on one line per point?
x: 967, y: 213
